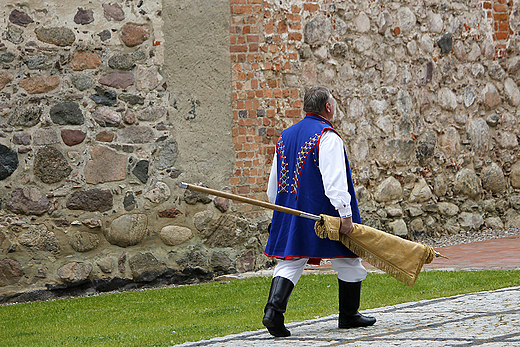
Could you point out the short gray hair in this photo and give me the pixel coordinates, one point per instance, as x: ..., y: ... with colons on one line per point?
x: 315, y: 99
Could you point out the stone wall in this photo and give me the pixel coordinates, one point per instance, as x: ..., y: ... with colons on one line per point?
x: 100, y: 117
x: 427, y: 96
x: 106, y: 106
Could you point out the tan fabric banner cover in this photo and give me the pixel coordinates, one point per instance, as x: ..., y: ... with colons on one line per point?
x: 400, y: 258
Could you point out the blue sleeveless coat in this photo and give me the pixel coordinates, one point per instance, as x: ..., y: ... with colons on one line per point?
x: 300, y: 187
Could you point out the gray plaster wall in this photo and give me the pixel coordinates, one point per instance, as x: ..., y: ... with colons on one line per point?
x: 197, y: 67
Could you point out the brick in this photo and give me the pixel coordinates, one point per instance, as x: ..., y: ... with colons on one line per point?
x: 253, y: 38
x: 295, y: 9
x: 292, y: 113
x: 501, y: 36
x: 277, y: 93
x: 257, y: 9
x: 500, y: 16
x: 295, y: 36
x: 311, y: 7
x: 500, y: 8
x: 272, y: 83
x: 294, y: 17
x: 487, y: 5
x: 242, y: 9
x: 295, y: 26
x: 503, y: 26
x: 254, y: 1
x: 243, y: 190
x: 237, y: 48
x: 234, y: 181
x: 281, y: 27
x: 253, y: 47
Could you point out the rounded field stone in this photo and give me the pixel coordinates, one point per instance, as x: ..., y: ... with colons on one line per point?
x: 5, y: 78
x: 10, y: 272
x: 91, y: 200
x: 67, y: 113
x: 113, y: 12
x: 24, y: 115
x: 72, y: 137
x: 84, y: 60
x: 83, y: 242
x: 82, y: 82
x: 127, y: 230
x: 59, y: 36
x: 50, y: 166
x: 97, y: 171
x: 173, y: 235
x: 84, y: 17
x: 40, y: 84
x: 133, y: 35
x: 20, y: 18
x: 40, y: 238
x: 120, y: 80
x: 28, y: 201
x: 8, y: 162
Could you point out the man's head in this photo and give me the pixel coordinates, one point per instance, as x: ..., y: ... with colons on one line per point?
x: 320, y: 100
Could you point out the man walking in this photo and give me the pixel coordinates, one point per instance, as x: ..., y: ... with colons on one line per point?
x: 311, y: 173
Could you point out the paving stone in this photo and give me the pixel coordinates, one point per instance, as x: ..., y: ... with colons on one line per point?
x: 484, y: 319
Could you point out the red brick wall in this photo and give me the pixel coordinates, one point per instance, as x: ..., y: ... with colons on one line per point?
x: 262, y: 104
x: 264, y: 45
x: 499, y: 11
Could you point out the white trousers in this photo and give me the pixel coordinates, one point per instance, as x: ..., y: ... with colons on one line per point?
x: 348, y: 269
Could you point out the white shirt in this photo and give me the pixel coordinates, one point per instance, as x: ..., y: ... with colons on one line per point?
x: 333, y: 173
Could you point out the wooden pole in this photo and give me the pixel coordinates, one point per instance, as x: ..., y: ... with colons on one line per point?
x: 249, y: 201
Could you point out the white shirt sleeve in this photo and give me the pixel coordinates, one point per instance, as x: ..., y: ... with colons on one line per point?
x: 272, y: 184
x: 334, y: 172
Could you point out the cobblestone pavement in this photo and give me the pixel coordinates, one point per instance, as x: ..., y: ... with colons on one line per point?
x: 489, y: 319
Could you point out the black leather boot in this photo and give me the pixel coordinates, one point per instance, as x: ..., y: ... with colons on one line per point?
x: 349, y: 298
x: 279, y: 293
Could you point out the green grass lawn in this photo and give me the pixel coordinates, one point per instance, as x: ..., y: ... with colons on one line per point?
x: 165, y: 317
